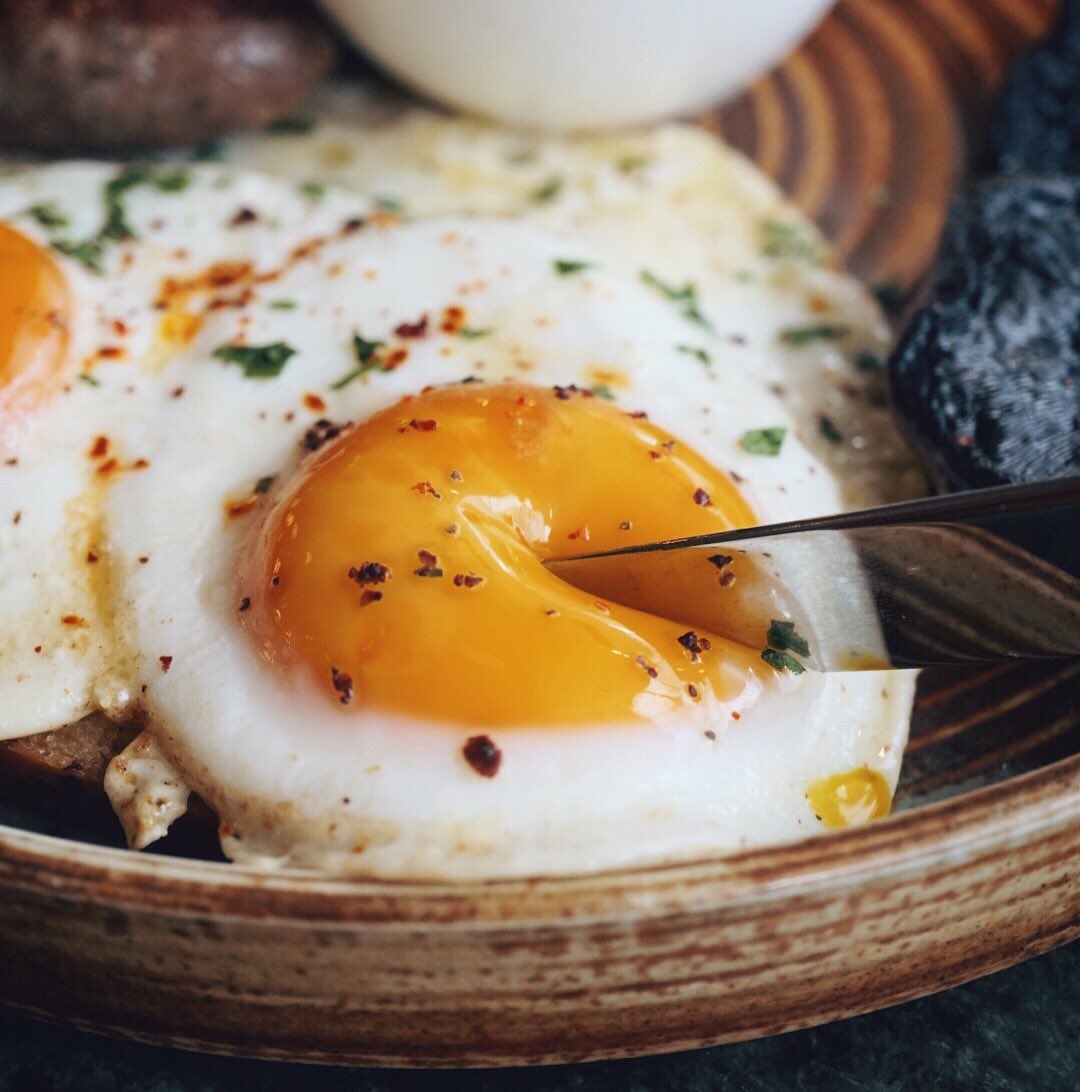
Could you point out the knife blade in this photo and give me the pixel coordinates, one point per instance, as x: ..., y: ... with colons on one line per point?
x: 984, y: 576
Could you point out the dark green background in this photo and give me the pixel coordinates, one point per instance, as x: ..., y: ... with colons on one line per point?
x: 1016, y: 1030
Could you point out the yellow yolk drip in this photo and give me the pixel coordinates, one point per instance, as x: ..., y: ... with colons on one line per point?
x: 851, y: 798
x: 35, y: 308
x: 402, y: 567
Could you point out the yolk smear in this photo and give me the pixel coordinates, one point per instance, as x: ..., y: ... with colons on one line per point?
x: 849, y: 799
x: 35, y: 309
x: 402, y: 567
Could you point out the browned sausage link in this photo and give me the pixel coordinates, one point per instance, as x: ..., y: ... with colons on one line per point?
x: 103, y: 75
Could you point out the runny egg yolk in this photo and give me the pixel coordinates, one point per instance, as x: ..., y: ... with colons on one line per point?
x: 401, y: 569
x: 35, y: 308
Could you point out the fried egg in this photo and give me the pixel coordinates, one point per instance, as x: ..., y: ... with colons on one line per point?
x: 346, y: 441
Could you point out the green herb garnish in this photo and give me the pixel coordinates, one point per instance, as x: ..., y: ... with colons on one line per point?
x: 780, y: 660
x: 890, y: 295
x: 829, y: 430
x: 429, y: 572
x: 764, y: 441
x: 471, y: 333
x: 176, y: 182
x: 263, y: 485
x: 548, y: 191
x: 602, y: 390
x: 867, y: 361
x: 628, y: 164
x: 566, y: 266
x: 696, y: 352
x: 89, y: 380
x: 258, y: 361
x: 783, y: 635
x: 820, y: 331
x: 207, y: 151
x: 315, y: 190
x: 89, y: 252
x: 283, y: 305
x: 48, y: 216
x: 781, y: 240
x: 388, y: 204
x: 686, y: 297
x: 364, y: 351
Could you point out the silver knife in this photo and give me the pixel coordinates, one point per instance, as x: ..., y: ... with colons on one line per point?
x: 982, y: 576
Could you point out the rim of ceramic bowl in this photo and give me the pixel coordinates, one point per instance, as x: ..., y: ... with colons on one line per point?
x: 1019, y: 811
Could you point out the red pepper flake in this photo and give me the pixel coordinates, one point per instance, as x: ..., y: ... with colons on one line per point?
x: 602, y: 607
x: 234, y: 509
x: 314, y: 403
x: 412, y: 329
x: 178, y: 392
x: 73, y: 620
x: 110, y: 352
x: 140, y: 464
x: 735, y: 715
x: 427, y: 425
x: 91, y: 557
x: 451, y: 528
x: 727, y: 578
x: 166, y: 663
x: 108, y: 467
x: 702, y: 498
x: 320, y: 433
x: 342, y: 684
x: 626, y: 525
x: 429, y: 564
x: 581, y: 532
x: 723, y: 563
x: 566, y: 393
x: 638, y: 415
x: 37, y: 648
x: 245, y: 604
x: 736, y: 477
x: 483, y: 755
x: 427, y: 488
x: 244, y: 216
x: 694, y: 644
x: 467, y: 580
x: 144, y: 559
x: 395, y: 358
x: 100, y: 448
x: 17, y: 518
x: 710, y: 734
x: 367, y: 597
x: 692, y: 690
x: 647, y: 667
x: 551, y: 612
x: 354, y: 223
x: 456, y: 476
x: 120, y: 327
x: 453, y: 319
x: 370, y: 572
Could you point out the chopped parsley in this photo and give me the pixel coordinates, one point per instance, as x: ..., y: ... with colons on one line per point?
x: 763, y: 441
x: 783, y: 635
x: 283, y: 305
x: 781, y: 240
x: 567, y: 266
x: 315, y: 190
x: 686, y: 297
x: 176, y: 182
x: 548, y: 191
x: 818, y: 331
x: 388, y: 204
x: 89, y: 252
x: 829, y: 430
x: 471, y: 333
x: 780, y: 660
x: 602, y: 390
x: 628, y: 164
x: 207, y: 151
x: 696, y: 352
x: 258, y: 361
x: 263, y: 484
x: 364, y: 351
x: 284, y: 126
x: 48, y: 216
x: 89, y: 380
x: 867, y: 361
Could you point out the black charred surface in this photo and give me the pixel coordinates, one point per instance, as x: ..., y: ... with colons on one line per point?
x: 987, y: 375
x: 1036, y: 129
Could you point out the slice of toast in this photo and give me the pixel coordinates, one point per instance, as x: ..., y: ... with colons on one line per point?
x: 61, y: 773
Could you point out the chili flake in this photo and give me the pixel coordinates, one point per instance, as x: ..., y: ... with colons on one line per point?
x: 694, y: 644
x: 413, y: 329
x: 370, y: 572
x: 320, y: 433
x: 245, y: 604
x: 647, y: 667
x: 702, y: 498
x: 342, y: 684
x: 166, y: 663
x: 467, y: 580
x: 482, y: 755
x: 427, y: 488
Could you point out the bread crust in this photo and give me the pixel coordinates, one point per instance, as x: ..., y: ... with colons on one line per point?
x: 115, y: 75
